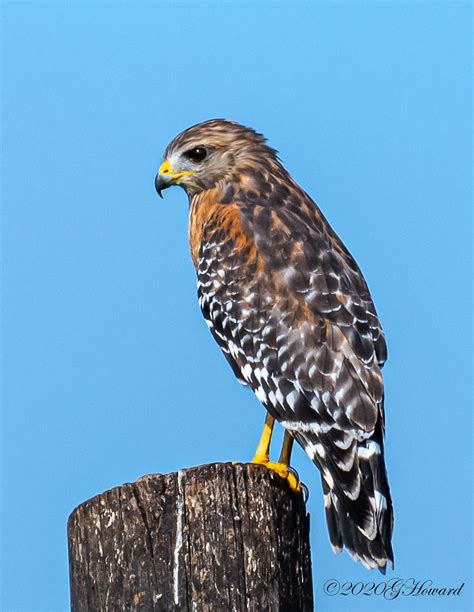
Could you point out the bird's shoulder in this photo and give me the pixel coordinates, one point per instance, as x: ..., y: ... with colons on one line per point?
x: 275, y: 229
x: 299, y: 246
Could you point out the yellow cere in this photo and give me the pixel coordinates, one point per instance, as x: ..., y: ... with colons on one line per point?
x: 165, y: 169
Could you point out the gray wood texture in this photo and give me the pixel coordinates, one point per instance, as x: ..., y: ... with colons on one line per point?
x: 216, y: 537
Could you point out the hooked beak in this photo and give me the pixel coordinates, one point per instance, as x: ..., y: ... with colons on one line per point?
x: 166, y: 177
x: 161, y: 183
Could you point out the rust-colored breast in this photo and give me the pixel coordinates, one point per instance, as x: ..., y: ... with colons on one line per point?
x: 208, y: 217
x: 202, y: 207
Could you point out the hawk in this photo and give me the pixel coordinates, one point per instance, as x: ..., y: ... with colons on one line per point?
x: 292, y: 313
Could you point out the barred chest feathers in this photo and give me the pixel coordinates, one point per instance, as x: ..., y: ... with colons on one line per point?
x: 233, y: 295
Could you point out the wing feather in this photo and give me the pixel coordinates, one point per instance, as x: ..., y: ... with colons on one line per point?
x: 293, y: 314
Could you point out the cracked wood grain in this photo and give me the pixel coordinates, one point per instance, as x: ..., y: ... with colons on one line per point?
x: 217, y: 537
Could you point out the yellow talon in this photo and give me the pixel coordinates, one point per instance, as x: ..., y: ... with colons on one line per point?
x: 282, y: 470
x: 262, y: 455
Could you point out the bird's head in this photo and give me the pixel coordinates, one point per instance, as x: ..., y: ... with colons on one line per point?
x: 210, y: 153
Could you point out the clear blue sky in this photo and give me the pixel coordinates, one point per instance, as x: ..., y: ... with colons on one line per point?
x: 109, y: 371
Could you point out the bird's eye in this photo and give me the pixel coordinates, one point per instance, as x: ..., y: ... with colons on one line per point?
x: 198, y: 154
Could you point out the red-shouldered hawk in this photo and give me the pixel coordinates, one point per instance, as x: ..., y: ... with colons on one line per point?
x: 292, y: 313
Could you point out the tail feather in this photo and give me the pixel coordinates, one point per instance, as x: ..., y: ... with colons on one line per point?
x: 361, y: 523
x: 374, y: 553
x: 335, y: 535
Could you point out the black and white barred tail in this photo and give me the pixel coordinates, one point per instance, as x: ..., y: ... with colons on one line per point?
x: 360, y: 521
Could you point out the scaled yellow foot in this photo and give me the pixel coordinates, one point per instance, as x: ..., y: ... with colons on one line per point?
x: 282, y: 470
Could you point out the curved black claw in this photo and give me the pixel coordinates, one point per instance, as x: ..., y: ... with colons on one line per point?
x: 305, y: 490
x: 294, y: 472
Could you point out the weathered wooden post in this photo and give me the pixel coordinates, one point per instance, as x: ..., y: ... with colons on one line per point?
x: 218, y: 537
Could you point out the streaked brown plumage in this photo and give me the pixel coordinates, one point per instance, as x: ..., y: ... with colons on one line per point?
x: 293, y: 315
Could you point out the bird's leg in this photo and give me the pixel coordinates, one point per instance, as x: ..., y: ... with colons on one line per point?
x: 286, y: 449
x: 284, y: 462
x: 262, y: 455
